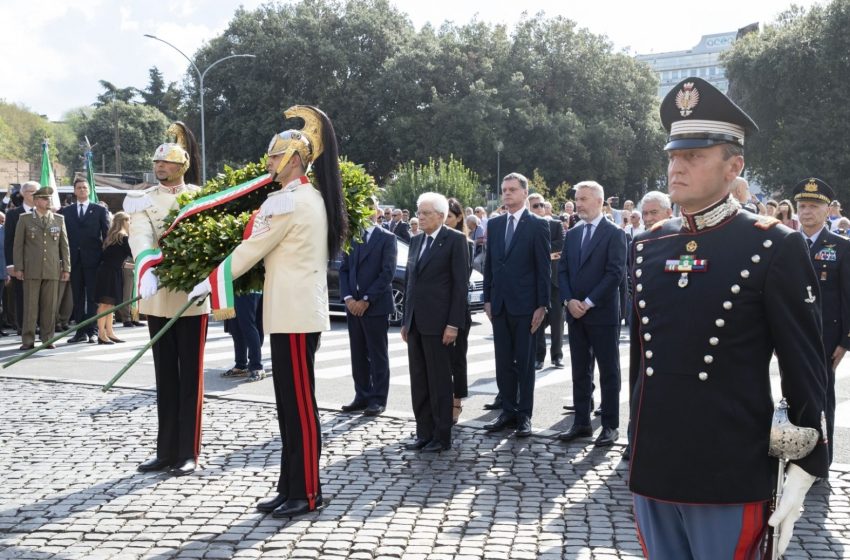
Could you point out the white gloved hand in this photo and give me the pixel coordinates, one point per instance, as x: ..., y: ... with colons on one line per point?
x: 790, y: 507
x: 201, y: 290
x: 149, y: 284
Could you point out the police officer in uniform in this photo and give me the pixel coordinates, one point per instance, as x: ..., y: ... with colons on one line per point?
x: 831, y: 258
x: 717, y: 292
x: 42, y: 259
x: 293, y: 233
x: 177, y: 355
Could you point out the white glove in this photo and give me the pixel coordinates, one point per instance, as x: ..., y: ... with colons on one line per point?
x: 149, y: 284
x: 201, y: 290
x: 790, y: 508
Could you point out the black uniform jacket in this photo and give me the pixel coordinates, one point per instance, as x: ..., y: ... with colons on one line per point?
x: 702, y: 407
x: 831, y: 259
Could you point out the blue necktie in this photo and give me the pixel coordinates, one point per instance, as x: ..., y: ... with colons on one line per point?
x: 81, y: 211
x: 428, y: 241
x: 588, y: 232
x: 509, y: 234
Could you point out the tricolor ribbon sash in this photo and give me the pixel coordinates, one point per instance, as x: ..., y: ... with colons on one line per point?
x: 146, y: 260
x: 221, y: 297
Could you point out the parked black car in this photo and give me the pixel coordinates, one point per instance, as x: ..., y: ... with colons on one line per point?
x: 476, y: 286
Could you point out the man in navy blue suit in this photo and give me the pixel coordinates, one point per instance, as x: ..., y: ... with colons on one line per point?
x: 365, y: 284
x: 87, y: 225
x: 516, y: 296
x: 592, y: 266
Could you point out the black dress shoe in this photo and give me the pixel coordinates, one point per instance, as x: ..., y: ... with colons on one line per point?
x: 373, y: 410
x: 417, y: 444
x: 101, y: 341
x: 495, y: 405
x: 154, y: 464
x: 129, y: 324
x: 293, y: 508
x: 354, y: 406
x: 435, y: 446
x: 139, y: 324
x: 575, y: 432
x: 3, y: 333
x: 113, y: 339
x: 597, y: 412
x: 183, y: 468
x: 607, y: 437
x: 572, y: 407
x: 79, y: 337
x: 500, y: 423
x: 538, y: 364
x: 558, y: 363
x: 523, y: 428
x: 627, y: 453
x: 26, y: 347
x: 270, y: 504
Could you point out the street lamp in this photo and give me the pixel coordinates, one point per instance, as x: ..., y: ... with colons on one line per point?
x: 201, y: 90
x: 499, y: 147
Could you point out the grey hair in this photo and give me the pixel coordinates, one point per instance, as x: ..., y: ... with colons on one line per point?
x: 438, y: 201
x: 656, y: 196
x: 592, y: 185
x: 34, y: 184
x: 473, y: 219
x: 523, y: 180
x: 536, y: 196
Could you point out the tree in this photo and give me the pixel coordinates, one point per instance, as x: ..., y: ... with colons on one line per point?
x: 23, y: 131
x: 802, y: 116
x: 141, y: 129
x: 165, y: 98
x: 114, y: 93
x: 450, y: 178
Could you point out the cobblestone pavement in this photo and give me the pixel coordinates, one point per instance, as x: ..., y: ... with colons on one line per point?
x: 69, y: 489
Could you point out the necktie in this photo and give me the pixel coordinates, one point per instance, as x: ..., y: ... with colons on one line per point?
x: 810, y: 242
x: 509, y: 234
x: 588, y: 232
x: 44, y: 220
x: 81, y: 211
x: 428, y: 241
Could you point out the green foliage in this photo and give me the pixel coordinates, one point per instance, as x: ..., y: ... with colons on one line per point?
x: 450, y: 178
x: 790, y: 79
x: 141, y: 129
x: 114, y: 93
x: 157, y: 94
x: 22, y: 132
x: 537, y: 184
x: 201, y: 242
x: 563, y: 193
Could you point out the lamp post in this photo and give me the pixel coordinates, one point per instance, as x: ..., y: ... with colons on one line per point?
x: 201, y: 95
x: 499, y: 147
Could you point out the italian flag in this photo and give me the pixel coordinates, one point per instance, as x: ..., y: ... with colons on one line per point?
x: 216, y: 199
x: 221, y: 296
x: 146, y: 260
x: 48, y: 179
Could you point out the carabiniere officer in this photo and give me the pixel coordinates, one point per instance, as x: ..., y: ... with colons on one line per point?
x: 716, y: 293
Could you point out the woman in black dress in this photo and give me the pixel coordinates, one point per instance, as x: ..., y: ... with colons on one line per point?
x: 109, y: 284
x: 455, y: 220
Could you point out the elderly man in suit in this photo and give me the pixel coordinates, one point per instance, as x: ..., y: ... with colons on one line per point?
x: 398, y: 226
x: 555, y: 314
x: 591, y: 270
x: 516, y: 296
x: 434, y: 310
x: 12, y: 216
x: 41, y: 260
x: 87, y: 224
x: 365, y: 285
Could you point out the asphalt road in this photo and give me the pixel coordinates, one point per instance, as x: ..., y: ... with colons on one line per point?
x: 95, y: 363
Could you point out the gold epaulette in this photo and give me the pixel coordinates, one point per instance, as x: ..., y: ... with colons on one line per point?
x: 765, y: 222
x: 658, y: 224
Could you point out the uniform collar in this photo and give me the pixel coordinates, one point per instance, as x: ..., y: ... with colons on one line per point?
x: 711, y: 216
x: 177, y: 189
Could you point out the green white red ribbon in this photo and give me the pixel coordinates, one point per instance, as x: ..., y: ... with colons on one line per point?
x: 146, y: 260
x: 221, y: 286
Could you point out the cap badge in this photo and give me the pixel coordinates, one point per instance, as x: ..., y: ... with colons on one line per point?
x: 691, y: 246
x: 811, y: 186
x: 687, y: 99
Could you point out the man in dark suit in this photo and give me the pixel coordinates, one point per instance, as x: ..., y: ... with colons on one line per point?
x: 434, y: 309
x: 398, y: 226
x: 555, y: 314
x: 12, y: 216
x: 365, y: 285
x: 830, y: 255
x: 591, y: 271
x: 87, y: 225
x: 516, y: 295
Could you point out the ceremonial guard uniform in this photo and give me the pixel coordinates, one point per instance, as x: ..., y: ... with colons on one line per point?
x: 178, y: 355
x: 42, y: 256
x: 293, y: 233
x: 830, y: 255
x: 716, y: 293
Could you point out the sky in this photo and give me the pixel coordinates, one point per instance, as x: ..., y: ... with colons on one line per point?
x: 54, y: 52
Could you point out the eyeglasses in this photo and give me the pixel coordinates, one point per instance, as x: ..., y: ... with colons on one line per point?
x: 425, y: 213
x: 538, y: 205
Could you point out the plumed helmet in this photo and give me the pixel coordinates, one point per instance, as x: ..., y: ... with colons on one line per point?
x: 307, y: 142
x: 177, y: 151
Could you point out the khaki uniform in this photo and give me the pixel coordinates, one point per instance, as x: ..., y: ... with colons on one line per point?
x: 41, y: 253
x: 147, y: 211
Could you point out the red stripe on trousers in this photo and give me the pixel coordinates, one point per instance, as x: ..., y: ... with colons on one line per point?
x: 299, y: 397
x: 199, y: 405
x: 639, y: 534
x: 311, y: 414
x: 752, y: 529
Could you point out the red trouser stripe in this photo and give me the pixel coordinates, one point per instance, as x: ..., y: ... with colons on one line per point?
x: 199, y: 405
x: 313, y: 491
x: 752, y: 530
x: 297, y: 375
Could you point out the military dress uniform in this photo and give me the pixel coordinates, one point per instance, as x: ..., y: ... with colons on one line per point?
x: 830, y: 255
x: 41, y: 253
x: 178, y: 356
x: 717, y: 293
